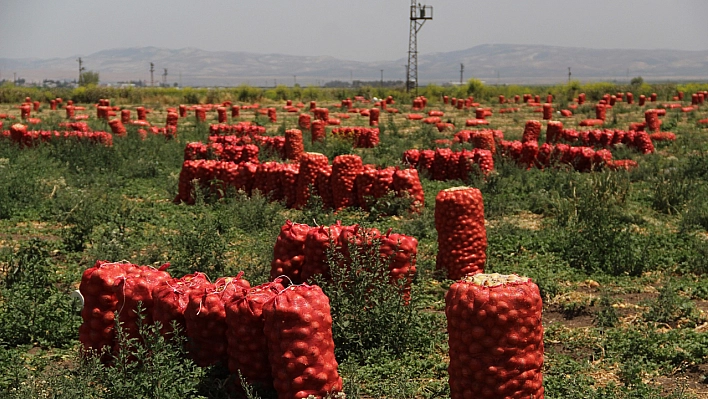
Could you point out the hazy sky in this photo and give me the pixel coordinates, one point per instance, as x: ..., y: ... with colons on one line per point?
x: 362, y: 30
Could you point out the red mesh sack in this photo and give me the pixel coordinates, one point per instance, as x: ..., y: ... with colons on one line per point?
x: 529, y: 152
x: 298, y: 329
x: 142, y: 113
x: 100, y: 304
x: 554, y: 131
x: 662, y: 136
x: 318, y: 241
x: 317, y: 130
x: 135, y: 287
x: 172, y: 119
x: 643, y: 143
x: 532, y: 131
x: 170, y: 298
x: 200, y: 114
x: 483, y: 139
x: 407, y: 183
x: 221, y: 114
x: 205, y: 318
x: 495, y: 337
x: 289, y: 251
x: 345, y: 168
x: 294, y: 147
x: 425, y: 160
x: 321, y: 113
x: 383, y: 182
x: 411, y: 157
x: 653, y: 123
x: 642, y: 100
x: 125, y: 116
x: 267, y: 182
x: 462, y: 237
x: 108, y: 288
x: 621, y: 164
x: 25, y: 111
x: 303, y: 121
x: 400, y: 252
x: 630, y: 98
x: 374, y: 116
x: 311, y: 165
x: 247, y: 345
x: 442, y: 164
x: 364, y: 187
x: 287, y: 177
x: 600, y: 112
x: 117, y: 127
x: 547, y: 111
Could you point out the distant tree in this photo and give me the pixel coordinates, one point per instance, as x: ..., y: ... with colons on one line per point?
x: 89, y: 78
x: 638, y: 81
x: 474, y: 86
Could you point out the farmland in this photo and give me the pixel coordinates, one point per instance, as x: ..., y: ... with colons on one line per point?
x: 619, y: 253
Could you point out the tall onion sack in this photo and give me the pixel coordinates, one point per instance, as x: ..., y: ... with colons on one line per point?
x: 495, y: 337
x: 294, y: 147
x: 345, y: 168
x: 298, y: 328
x: 318, y: 242
x: 289, y: 251
x: 170, y: 298
x: 205, y: 317
x: 462, y: 237
x: 532, y: 131
x: 247, y: 345
x: 406, y: 182
x: 311, y: 165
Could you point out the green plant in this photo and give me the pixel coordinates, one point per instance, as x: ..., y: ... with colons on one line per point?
x: 671, y: 307
x: 370, y: 315
x: 200, y: 244
x: 606, y: 316
x: 33, y: 309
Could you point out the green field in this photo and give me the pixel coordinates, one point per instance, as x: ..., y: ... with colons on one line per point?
x: 620, y: 257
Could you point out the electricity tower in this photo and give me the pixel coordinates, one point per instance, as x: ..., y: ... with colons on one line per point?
x: 81, y: 70
x: 152, y: 69
x: 418, y: 15
x: 164, y: 78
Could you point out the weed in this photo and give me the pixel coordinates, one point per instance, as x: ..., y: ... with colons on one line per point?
x: 369, y: 315
x: 33, y: 309
x: 671, y: 307
x: 606, y: 316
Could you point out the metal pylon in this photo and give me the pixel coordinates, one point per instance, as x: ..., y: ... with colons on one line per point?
x: 418, y: 15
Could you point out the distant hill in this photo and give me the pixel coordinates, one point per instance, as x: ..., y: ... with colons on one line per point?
x: 493, y: 63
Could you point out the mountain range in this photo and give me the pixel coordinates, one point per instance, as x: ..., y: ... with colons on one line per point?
x: 492, y: 63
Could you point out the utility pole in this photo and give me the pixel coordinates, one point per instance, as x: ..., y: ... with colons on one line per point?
x: 381, y: 85
x: 294, y: 80
x: 14, y: 78
x: 568, y: 75
x: 81, y: 70
x: 164, y: 78
x: 418, y: 15
x: 462, y: 70
x: 180, y: 78
x: 152, y: 69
